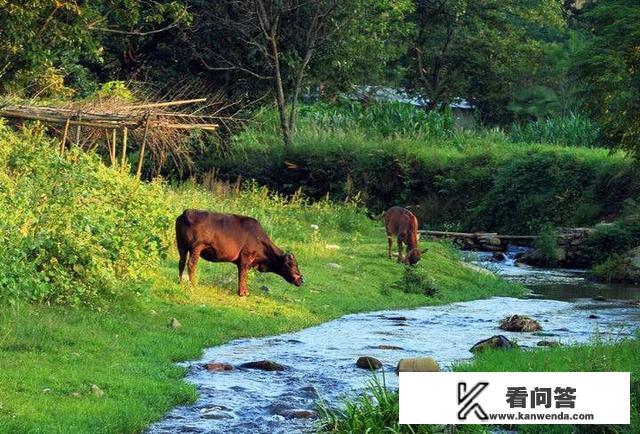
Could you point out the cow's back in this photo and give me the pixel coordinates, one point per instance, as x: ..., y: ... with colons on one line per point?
x: 228, y: 233
x: 400, y: 221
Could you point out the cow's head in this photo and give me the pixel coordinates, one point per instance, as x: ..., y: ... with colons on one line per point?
x: 288, y: 269
x: 414, y: 256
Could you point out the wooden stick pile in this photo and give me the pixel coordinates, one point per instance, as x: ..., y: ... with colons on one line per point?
x: 161, y: 128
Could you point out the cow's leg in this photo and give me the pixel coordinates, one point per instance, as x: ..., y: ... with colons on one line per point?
x: 399, y: 250
x: 243, y: 271
x: 193, y: 261
x: 182, y: 263
x: 390, y: 240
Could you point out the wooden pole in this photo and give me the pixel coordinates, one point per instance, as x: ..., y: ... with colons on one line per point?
x: 123, y: 157
x: 64, y: 137
x: 168, y: 104
x: 144, y: 143
x: 78, y: 132
x: 114, y: 139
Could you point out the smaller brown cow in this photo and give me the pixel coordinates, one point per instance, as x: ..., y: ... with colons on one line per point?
x: 232, y: 238
x: 403, y: 224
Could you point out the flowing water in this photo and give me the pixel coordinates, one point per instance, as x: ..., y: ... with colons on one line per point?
x: 320, y: 361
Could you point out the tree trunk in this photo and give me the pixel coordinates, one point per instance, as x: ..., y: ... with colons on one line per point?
x: 281, y: 101
x: 296, y: 90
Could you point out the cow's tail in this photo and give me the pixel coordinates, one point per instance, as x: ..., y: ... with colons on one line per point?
x: 376, y: 217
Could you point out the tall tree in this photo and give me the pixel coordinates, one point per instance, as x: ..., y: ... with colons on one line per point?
x: 479, y: 49
x: 46, y: 45
x: 288, y: 43
x: 607, y: 67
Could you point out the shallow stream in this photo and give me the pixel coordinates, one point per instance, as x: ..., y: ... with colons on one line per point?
x: 320, y: 361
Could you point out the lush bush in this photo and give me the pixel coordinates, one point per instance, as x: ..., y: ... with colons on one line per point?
x: 573, y: 130
x: 71, y: 228
x: 609, y: 241
x: 417, y: 281
x: 547, y: 246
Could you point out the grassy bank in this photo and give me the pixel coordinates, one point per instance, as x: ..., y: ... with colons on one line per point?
x: 381, y: 416
x: 471, y: 180
x: 92, y: 286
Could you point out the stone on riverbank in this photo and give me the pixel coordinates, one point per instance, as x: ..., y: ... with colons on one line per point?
x: 498, y: 256
x: 217, y: 366
x: 546, y: 343
x: 520, y: 323
x: 368, y: 362
x: 494, y: 342
x: 175, y: 324
x: 263, y: 365
x: 97, y: 392
x: 417, y: 364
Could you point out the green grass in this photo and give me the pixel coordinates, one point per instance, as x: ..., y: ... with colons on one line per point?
x: 380, y: 414
x: 48, y: 353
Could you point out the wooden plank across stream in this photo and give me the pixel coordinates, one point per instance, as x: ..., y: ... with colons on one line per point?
x: 487, y: 241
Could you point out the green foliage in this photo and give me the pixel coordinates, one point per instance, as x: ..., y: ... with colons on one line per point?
x: 114, y: 89
x: 483, y: 50
x: 607, y: 66
x: 384, y: 119
x: 609, y: 270
x: 547, y: 245
x: 609, y: 241
x: 374, y: 412
x: 474, y: 180
x: 417, y: 281
x: 573, y: 130
x: 72, y: 229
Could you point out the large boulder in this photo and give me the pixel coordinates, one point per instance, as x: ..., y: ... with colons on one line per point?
x: 520, y: 323
x: 417, y: 364
x: 494, y: 342
x: 368, y: 362
x: 263, y: 365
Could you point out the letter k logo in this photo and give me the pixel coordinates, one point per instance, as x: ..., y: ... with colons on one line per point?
x: 466, y: 400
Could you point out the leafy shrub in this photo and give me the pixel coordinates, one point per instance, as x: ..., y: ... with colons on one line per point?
x: 71, y: 228
x: 547, y: 246
x: 416, y: 280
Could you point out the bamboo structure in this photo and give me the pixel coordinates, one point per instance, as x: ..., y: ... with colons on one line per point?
x: 134, y: 116
x: 162, y: 128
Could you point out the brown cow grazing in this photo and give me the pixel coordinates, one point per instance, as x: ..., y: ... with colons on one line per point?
x: 403, y: 224
x: 232, y: 238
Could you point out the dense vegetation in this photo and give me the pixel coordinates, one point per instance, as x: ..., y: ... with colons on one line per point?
x: 513, y: 60
x: 117, y: 335
x: 88, y: 282
x: 72, y: 231
x: 474, y: 180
